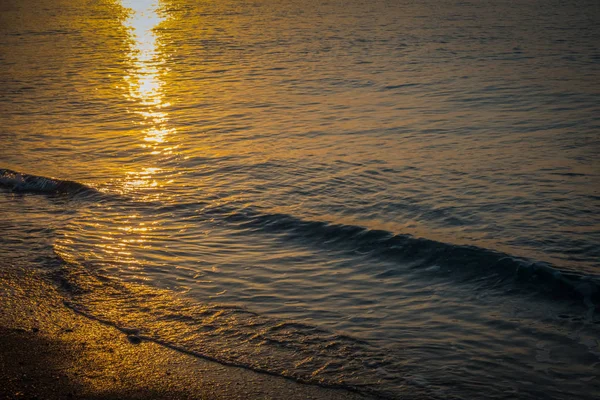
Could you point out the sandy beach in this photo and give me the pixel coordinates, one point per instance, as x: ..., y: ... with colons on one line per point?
x: 47, y: 351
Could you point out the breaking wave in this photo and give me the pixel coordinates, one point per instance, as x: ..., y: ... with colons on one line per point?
x: 26, y: 183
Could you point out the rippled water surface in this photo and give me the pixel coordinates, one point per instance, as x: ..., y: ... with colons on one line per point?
x: 398, y: 197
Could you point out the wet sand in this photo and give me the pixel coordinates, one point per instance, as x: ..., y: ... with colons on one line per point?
x: 47, y: 351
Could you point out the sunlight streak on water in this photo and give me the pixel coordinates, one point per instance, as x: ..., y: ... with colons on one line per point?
x: 147, y: 65
x: 120, y: 239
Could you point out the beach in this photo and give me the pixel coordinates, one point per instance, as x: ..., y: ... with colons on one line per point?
x: 48, y: 351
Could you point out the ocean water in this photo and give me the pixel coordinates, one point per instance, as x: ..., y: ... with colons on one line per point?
x: 401, y: 198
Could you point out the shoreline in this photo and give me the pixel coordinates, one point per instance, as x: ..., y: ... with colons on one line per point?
x: 48, y: 351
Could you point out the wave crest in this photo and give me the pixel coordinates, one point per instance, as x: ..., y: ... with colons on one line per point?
x: 21, y: 182
x: 466, y: 261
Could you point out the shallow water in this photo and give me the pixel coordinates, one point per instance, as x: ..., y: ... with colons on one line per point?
x: 396, y: 197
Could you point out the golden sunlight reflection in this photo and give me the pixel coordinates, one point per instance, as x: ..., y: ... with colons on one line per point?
x: 118, y: 241
x: 144, y: 81
x: 122, y: 237
x: 126, y: 234
x: 144, y: 178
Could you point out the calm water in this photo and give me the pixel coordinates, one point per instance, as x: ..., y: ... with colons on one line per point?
x: 399, y: 197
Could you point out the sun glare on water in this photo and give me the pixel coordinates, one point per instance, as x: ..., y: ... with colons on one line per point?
x: 145, y: 84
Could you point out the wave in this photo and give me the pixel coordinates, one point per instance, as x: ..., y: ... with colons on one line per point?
x: 26, y: 183
x: 464, y: 262
x: 230, y: 335
x: 306, y: 353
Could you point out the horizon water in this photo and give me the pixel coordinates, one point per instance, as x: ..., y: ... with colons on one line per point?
x: 399, y: 198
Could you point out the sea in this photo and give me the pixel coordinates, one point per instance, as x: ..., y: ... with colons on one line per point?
x: 396, y: 197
